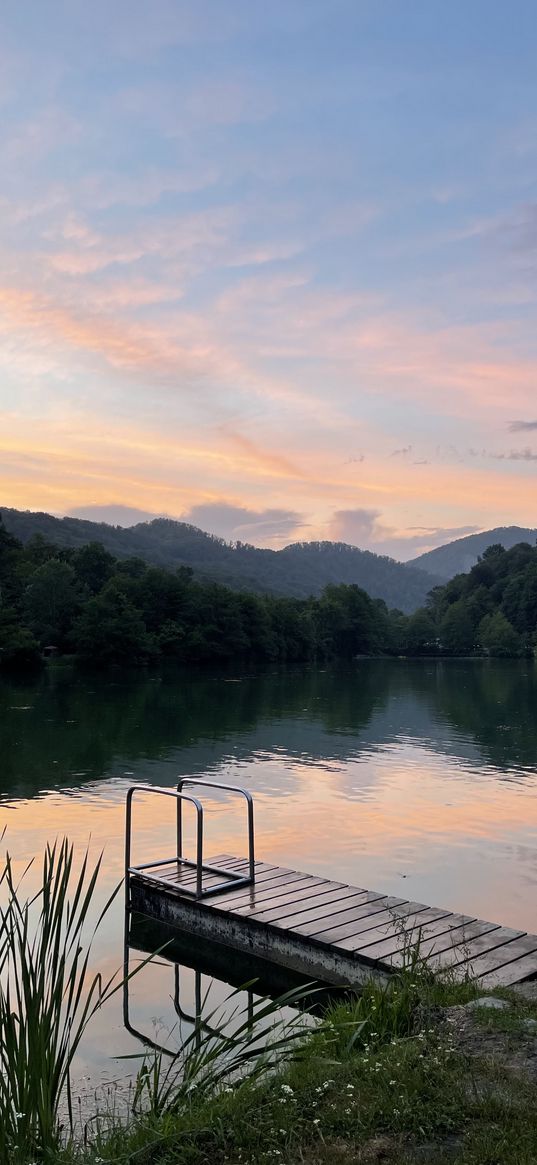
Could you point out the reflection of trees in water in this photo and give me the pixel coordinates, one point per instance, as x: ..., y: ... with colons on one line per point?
x: 493, y: 702
x: 80, y: 728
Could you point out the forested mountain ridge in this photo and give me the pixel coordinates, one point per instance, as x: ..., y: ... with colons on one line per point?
x: 460, y: 556
x: 86, y: 603
x: 83, y: 602
x: 299, y: 570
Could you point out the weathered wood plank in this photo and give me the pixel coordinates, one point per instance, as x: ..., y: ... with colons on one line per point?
x: 188, y: 872
x: 243, y: 865
x: 522, y: 968
x: 296, y: 895
x: 309, y: 919
x: 377, y: 936
x: 253, y: 896
x: 269, y: 881
x: 356, y: 920
x: 229, y: 860
x: 327, y: 898
x: 387, y: 922
x: 261, y: 891
x: 499, y: 957
x: 239, y: 865
x: 190, y: 882
x: 444, y: 937
x: 477, y: 946
x: 180, y: 877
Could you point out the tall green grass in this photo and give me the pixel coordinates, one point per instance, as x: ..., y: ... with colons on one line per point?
x: 48, y: 996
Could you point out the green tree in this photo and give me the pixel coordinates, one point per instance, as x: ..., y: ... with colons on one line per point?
x: 51, y: 602
x: 18, y: 647
x: 493, y: 554
x: 111, y: 630
x: 39, y: 550
x: 93, y: 566
x: 10, y: 551
x: 348, y: 622
x: 457, y: 634
x: 498, y: 636
x: 397, y: 633
x: 421, y: 637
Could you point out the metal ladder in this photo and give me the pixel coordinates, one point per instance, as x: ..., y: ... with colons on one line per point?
x: 231, y: 878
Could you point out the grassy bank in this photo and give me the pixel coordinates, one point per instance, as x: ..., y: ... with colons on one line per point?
x: 404, y: 1075
x: 411, y: 1072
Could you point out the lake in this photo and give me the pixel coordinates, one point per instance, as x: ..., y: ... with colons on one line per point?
x: 414, y: 778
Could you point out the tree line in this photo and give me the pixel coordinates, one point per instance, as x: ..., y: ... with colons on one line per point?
x: 296, y: 571
x: 86, y: 603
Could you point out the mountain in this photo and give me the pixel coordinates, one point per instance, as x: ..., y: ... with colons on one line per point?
x: 301, y: 569
x: 460, y: 556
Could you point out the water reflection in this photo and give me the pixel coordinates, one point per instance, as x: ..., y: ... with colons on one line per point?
x: 211, y: 988
x: 65, y: 731
x: 413, y: 779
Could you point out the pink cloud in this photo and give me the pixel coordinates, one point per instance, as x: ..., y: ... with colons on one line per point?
x: 367, y: 529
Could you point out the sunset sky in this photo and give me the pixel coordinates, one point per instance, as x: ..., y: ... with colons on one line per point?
x: 271, y: 267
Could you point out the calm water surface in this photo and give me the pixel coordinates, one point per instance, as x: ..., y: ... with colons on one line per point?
x: 417, y: 779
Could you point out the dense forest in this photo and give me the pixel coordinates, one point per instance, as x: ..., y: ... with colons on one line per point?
x: 298, y: 570
x: 492, y: 609
x: 86, y: 603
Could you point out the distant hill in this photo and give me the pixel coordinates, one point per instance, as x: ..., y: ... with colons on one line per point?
x: 302, y: 569
x: 460, y: 556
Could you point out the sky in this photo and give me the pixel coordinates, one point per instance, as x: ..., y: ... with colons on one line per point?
x: 271, y: 268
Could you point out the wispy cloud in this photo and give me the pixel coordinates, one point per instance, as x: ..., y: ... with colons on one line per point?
x: 515, y: 455
x: 366, y: 529
x: 113, y: 515
x: 269, y: 527
x: 523, y: 426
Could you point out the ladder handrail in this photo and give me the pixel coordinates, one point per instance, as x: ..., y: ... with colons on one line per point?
x: 179, y: 798
x: 228, y: 789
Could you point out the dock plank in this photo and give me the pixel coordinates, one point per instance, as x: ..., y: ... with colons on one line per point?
x: 310, y: 892
x: 272, y: 883
x: 444, y: 937
x: 385, y: 923
x: 517, y: 971
x: 322, y: 898
x: 187, y: 873
x: 178, y: 877
x: 480, y: 945
x: 249, y: 897
x: 330, y: 929
x: 175, y: 876
x: 370, y: 940
x: 379, y: 911
x: 312, y: 918
x: 497, y: 958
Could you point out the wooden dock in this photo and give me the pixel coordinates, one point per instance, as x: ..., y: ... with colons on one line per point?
x: 330, y: 931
